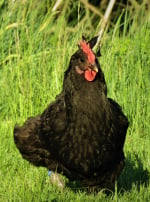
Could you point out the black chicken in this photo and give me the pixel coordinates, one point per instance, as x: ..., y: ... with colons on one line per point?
x: 82, y: 133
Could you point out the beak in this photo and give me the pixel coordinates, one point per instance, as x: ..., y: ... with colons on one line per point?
x: 94, y: 67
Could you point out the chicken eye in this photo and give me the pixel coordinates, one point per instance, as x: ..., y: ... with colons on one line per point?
x: 81, y: 60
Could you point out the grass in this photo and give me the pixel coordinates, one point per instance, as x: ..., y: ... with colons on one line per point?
x: 35, y: 51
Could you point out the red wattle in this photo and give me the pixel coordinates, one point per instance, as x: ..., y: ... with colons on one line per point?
x: 90, y: 75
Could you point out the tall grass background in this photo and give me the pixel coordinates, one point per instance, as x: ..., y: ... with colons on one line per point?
x: 35, y: 48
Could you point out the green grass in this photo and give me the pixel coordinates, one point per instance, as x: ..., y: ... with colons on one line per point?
x: 35, y: 51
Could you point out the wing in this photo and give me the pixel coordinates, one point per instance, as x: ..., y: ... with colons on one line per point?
x: 114, y: 142
x: 119, y: 124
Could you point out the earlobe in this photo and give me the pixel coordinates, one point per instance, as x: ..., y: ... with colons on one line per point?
x: 78, y: 70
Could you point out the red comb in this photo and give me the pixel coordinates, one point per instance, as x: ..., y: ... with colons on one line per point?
x: 86, y: 49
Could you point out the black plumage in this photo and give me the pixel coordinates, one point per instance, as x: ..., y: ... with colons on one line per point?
x: 82, y: 133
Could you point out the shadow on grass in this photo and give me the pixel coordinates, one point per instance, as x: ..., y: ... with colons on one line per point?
x: 133, y: 173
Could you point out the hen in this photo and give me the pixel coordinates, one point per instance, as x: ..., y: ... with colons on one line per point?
x: 82, y: 133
